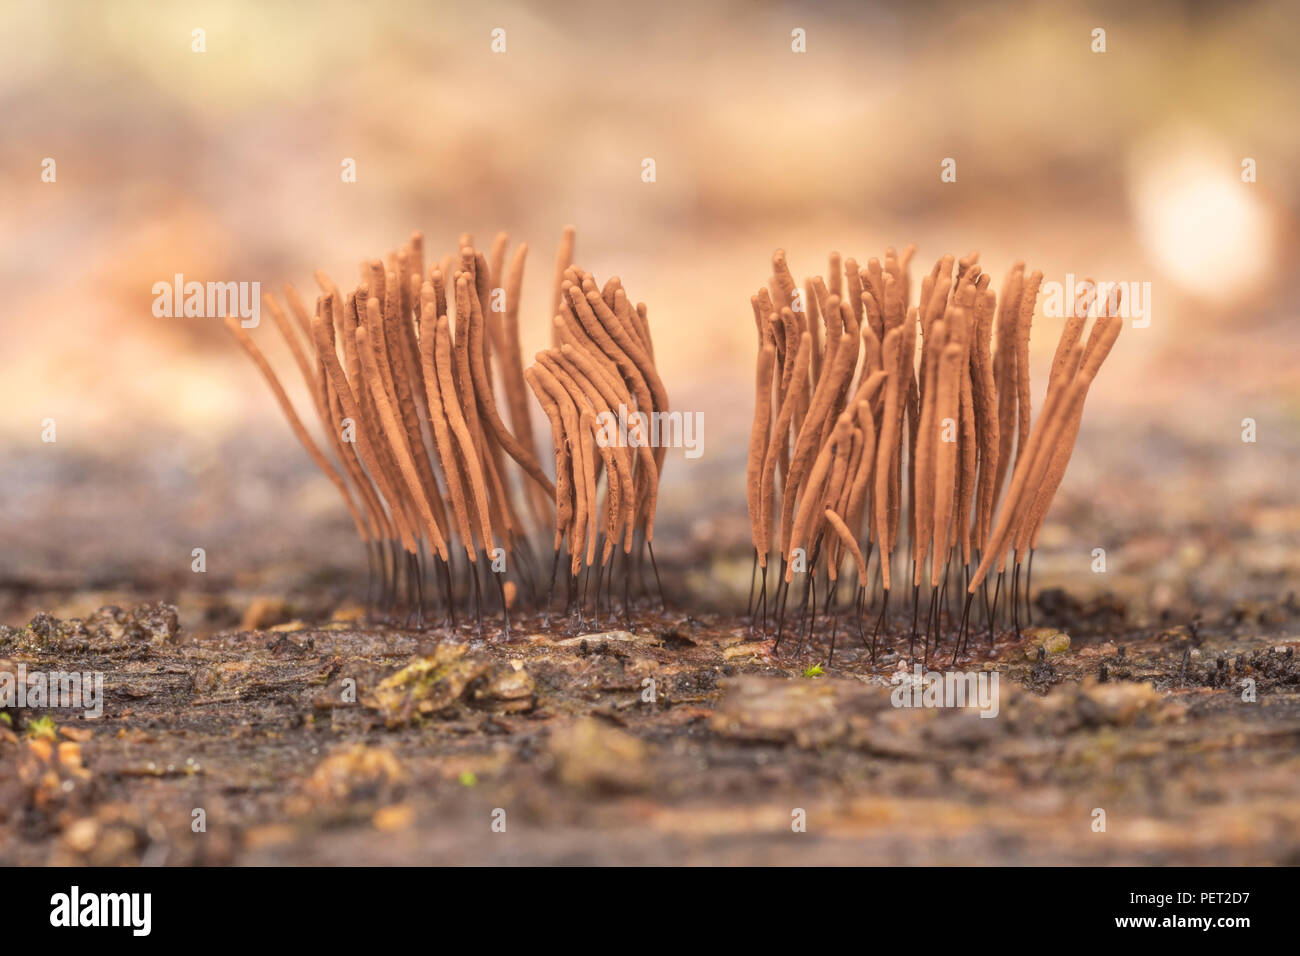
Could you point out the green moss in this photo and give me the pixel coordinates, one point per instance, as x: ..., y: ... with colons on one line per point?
x: 42, y: 728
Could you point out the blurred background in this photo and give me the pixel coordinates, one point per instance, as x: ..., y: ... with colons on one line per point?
x: 224, y: 165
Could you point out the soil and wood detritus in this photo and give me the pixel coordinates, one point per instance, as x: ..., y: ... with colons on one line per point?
x: 678, y: 740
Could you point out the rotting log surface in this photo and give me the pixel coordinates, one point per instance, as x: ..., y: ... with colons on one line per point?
x: 257, y: 729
